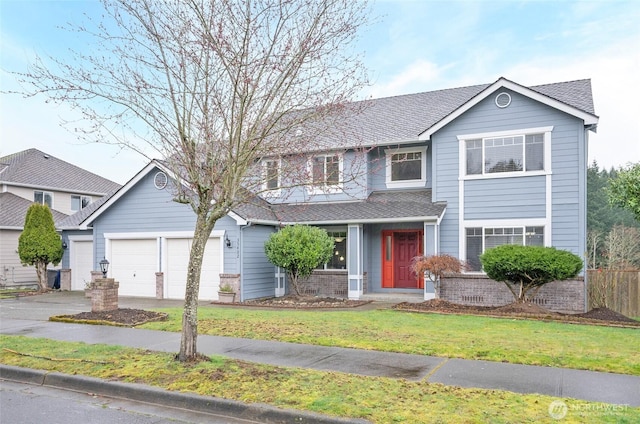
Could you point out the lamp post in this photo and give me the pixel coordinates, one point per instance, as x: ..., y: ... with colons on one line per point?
x: 104, y: 267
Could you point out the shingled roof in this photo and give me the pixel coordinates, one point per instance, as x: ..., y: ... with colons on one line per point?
x: 13, y: 210
x: 34, y: 168
x: 382, y: 206
x: 403, y: 118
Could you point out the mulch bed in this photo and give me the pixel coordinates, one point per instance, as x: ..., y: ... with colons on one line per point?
x: 119, y: 317
x: 598, y: 316
x: 306, y: 302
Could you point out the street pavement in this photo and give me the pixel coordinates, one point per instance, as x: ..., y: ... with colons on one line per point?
x: 28, y: 316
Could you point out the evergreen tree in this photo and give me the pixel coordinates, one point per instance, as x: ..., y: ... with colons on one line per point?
x: 39, y: 244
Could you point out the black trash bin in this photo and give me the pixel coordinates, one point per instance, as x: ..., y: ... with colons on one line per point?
x: 53, y: 279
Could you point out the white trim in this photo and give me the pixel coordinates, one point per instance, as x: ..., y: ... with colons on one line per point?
x: 239, y: 220
x: 358, y: 277
x: 121, y: 192
x: 80, y: 238
x: 505, y: 133
x: 158, y: 234
x: 503, y: 93
x: 500, y: 223
x: 463, y: 138
x: 588, y: 118
x: 514, y: 222
x: 73, y: 258
x: 406, y: 183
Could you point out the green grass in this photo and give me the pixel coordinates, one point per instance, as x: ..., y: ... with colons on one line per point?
x: 381, y: 400
x: 13, y: 293
x: 455, y: 336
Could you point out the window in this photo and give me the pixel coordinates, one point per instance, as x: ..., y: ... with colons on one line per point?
x: 271, y: 174
x: 79, y: 202
x: 480, y: 239
x: 339, y: 258
x: 326, y: 172
x: 44, y: 198
x: 519, y: 153
x: 406, y: 167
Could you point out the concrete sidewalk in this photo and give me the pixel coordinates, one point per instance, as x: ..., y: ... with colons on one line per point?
x: 27, y: 317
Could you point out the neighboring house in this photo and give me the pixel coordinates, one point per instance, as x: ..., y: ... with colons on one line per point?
x: 34, y: 176
x: 453, y: 171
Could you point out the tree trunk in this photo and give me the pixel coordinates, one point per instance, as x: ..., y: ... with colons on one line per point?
x: 188, y: 342
x: 41, y: 273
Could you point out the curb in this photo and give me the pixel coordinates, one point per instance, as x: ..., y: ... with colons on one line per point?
x: 157, y: 396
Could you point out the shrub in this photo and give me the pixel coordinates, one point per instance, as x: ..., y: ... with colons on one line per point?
x: 435, y: 266
x: 529, y: 267
x: 299, y: 249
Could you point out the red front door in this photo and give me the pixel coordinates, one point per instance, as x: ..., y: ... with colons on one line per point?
x: 398, y: 250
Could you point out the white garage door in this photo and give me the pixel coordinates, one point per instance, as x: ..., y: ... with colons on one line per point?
x: 81, y: 263
x: 177, y: 259
x: 134, y: 263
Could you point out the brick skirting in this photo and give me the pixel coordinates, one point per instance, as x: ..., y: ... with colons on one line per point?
x: 328, y: 283
x: 479, y: 290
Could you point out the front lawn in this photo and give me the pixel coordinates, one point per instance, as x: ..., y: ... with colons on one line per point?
x: 381, y: 400
x: 455, y: 336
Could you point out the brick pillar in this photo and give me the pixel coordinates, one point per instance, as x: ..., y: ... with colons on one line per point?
x: 95, y: 275
x: 65, y: 279
x: 232, y: 280
x: 159, y: 285
x: 104, y: 295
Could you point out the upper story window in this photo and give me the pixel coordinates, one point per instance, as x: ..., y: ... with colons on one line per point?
x: 271, y: 175
x: 406, y: 167
x: 79, y: 202
x: 479, y: 239
x: 44, y: 198
x: 326, y: 173
x: 506, y: 153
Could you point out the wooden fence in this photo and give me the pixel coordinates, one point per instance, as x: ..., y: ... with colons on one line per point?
x: 616, y: 289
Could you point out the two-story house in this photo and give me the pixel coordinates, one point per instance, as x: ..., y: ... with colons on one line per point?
x: 453, y: 171
x: 34, y: 176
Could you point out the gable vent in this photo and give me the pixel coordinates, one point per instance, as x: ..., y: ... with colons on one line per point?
x: 503, y: 100
x: 160, y: 180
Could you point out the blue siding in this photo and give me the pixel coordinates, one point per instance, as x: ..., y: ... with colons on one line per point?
x: 146, y: 209
x: 377, y: 166
x: 482, y: 197
x: 486, y: 198
x: 355, y: 169
x: 258, y: 273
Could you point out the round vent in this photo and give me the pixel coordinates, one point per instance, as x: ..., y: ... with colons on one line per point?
x: 160, y: 180
x: 503, y: 100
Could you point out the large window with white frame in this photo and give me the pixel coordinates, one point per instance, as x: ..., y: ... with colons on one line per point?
x: 406, y: 167
x: 44, y: 198
x: 479, y: 239
x: 326, y: 172
x: 506, y: 153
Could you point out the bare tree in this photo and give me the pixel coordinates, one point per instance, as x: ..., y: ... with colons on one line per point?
x: 213, y: 87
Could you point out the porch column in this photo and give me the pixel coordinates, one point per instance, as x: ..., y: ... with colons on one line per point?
x: 355, y: 266
x: 280, y: 282
x: 430, y: 248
